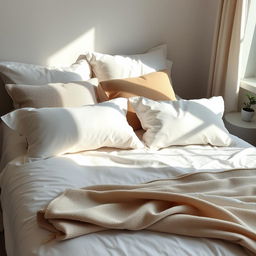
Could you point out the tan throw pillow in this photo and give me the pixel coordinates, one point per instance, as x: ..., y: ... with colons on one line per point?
x: 74, y: 94
x: 155, y: 86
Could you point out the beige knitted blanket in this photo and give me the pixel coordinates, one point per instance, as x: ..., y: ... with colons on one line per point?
x: 213, y: 205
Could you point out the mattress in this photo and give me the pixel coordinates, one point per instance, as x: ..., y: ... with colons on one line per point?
x: 28, y: 186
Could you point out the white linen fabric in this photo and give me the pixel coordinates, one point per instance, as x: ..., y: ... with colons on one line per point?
x: 28, y: 187
x: 13, y: 145
x: 54, y: 131
x: 106, y: 67
x: 22, y: 73
x: 182, y: 122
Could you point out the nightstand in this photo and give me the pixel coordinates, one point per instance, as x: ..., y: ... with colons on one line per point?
x: 240, y: 128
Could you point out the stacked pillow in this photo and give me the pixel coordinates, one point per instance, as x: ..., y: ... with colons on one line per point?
x: 104, y: 66
x: 32, y: 86
x: 29, y: 74
x: 57, y: 115
x: 132, y: 75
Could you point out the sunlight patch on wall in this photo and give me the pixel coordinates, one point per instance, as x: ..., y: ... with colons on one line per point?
x: 69, y: 53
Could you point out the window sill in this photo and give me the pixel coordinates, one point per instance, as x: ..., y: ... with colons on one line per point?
x: 249, y: 84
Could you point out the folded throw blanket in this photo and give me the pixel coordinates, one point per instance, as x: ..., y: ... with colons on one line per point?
x: 213, y: 205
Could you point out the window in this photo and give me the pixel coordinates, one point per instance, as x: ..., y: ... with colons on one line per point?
x: 248, y: 58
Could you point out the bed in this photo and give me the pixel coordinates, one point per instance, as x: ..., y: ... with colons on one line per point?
x: 27, y: 186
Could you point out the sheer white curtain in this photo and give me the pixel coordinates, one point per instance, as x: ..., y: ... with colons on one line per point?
x: 226, y: 62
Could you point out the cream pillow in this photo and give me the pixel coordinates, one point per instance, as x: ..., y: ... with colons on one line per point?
x: 74, y: 94
x: 106, y: 67
x: 182, y: 122
x: 55, y: 131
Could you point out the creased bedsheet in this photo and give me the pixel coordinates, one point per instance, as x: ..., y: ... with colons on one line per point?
x: 211, y: 205
x: 29, y: 187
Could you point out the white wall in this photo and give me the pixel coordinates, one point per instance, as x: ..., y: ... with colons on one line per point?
x: 55, y: 32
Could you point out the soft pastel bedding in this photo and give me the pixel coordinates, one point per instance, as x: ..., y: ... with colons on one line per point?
x: 56, y: 143
x: 29, y: 187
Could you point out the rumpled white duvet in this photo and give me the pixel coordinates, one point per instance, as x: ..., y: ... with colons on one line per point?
x: 28, y: 187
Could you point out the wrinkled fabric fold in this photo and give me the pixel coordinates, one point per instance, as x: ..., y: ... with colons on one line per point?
x: 212, y: 205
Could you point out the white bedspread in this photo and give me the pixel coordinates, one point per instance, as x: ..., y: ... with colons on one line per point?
x: 28, y: 187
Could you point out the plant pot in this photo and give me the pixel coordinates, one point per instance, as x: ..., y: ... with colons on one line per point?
x: 247, y: 114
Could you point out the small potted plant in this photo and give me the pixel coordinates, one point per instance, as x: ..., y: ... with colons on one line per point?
x: 247, y: 111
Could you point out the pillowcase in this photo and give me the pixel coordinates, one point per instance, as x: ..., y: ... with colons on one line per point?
x: 55, y: 131
x: 106, y: 67
x: 13, y: 145
x: 21, y: 73
x: 155, y: 86
x: 182, y: 122
x: 74, y: 94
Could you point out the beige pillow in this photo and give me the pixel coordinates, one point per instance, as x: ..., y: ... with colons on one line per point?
x: 74, y: 94
x: 155, y: 86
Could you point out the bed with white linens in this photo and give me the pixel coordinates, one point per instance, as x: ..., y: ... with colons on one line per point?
x: 53, y: 143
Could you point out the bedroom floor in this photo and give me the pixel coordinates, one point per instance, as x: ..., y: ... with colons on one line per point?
x: 2, y: 250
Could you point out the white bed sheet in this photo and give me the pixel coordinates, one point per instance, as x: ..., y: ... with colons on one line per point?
x: 28, y: 187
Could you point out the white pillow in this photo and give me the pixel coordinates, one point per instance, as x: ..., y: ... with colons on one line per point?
x: 13, y: 145
x: 22, y: 73
x: 182, y: 122
x: 106, y: 67
x: 54, y: 131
